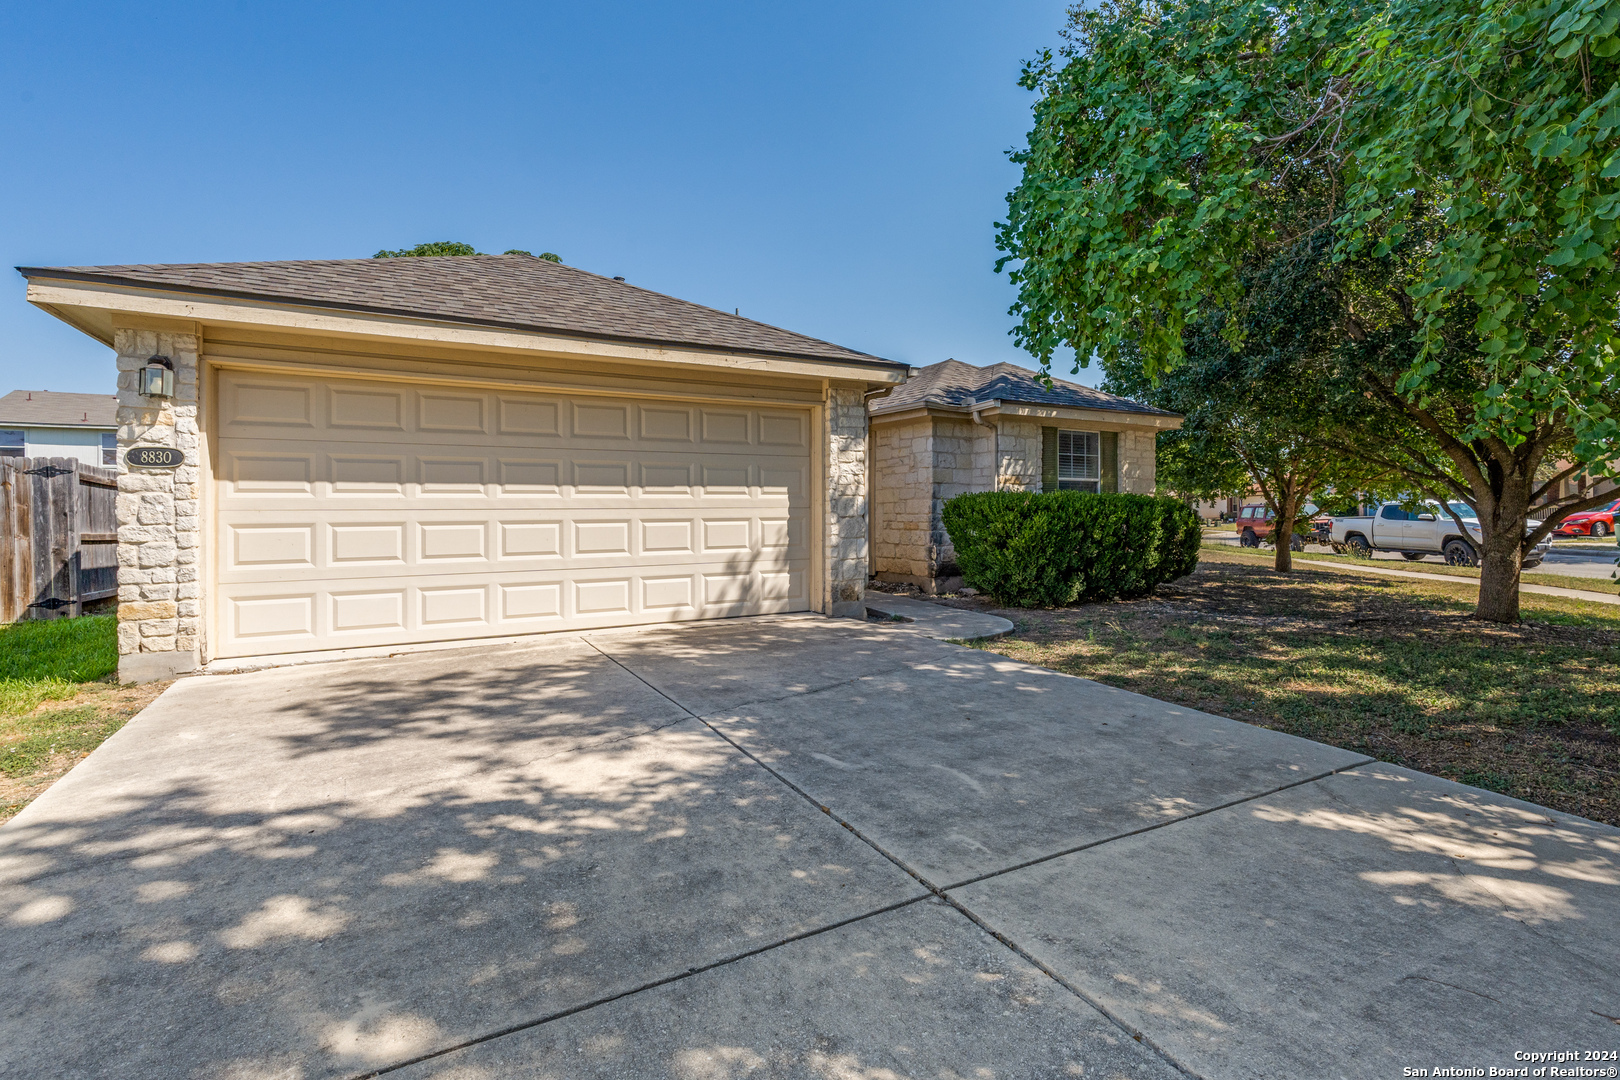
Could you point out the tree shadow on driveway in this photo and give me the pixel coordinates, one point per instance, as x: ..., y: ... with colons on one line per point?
x: 313, y: 872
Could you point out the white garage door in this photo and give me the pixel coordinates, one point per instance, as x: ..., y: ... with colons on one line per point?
x: 355, y: 513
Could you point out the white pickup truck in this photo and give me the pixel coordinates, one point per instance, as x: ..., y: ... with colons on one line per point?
x: 1428, y: 530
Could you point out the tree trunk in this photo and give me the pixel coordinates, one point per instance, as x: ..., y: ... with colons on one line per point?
x: 1499, y: 577
x: 1502, y: 516
x: 1287, y: 510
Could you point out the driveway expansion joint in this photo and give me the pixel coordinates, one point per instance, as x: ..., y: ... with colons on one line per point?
x: 607, y: 999
x: 1162, y: 824
x: 941, y: 894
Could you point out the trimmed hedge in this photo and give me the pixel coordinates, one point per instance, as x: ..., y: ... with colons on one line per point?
x: 1046, y: 550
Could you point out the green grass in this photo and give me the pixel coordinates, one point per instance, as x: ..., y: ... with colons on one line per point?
x: 46, y: 660
x: 74, y: 650
x: 52, y: 660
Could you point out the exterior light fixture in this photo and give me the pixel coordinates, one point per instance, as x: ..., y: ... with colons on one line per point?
x: 157, y: 378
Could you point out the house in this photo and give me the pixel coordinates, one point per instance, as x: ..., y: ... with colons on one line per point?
x: 954, y: 428
x: 373, y: 453
x: 45, y: 424
x: 1587, y: 481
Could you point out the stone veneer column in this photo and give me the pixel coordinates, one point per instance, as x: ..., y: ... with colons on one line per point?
x: 845, y: 442
x: 159, y: 536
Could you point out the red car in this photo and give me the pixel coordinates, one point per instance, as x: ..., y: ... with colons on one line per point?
x: 1599, y: 522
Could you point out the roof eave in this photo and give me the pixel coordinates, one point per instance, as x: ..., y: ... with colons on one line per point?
x: 70, y: 298
x: 1156, y: 419
x: 1141, y: 417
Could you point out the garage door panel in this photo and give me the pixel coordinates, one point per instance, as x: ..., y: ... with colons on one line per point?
x: 353, y: 514
x: 281, y: 546
x: 261, y: 474
x: 667, y: 424
x: 530, y: 603
x: 454, y: 605
x: 364, y: 543
x: 463, y: 414
x: 255, y: 404
x: 354, y: 542
x: 256, y: 618
x: 599, y: 420
x: 785, y: 430
x: 529, y: 539
x: 358, y: 410
x: 452, y: 476
x: 367, y: 612
x: 527, y: 416
x: 370, y: 409
x: 249, y: 467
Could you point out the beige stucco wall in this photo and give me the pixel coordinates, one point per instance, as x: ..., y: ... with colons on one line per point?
x: 160, y: 624
x: 923, y: 462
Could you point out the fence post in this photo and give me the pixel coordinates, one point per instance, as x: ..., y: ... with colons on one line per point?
x: 16, y: 540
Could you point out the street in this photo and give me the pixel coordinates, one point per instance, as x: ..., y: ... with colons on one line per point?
x: 1571, y: 559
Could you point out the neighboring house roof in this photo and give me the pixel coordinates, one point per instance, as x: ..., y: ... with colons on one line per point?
x: 508, y: 291
x: 46, y: 408
x: 951, y: 384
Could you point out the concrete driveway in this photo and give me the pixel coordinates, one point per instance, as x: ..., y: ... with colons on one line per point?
x: 775, y: 847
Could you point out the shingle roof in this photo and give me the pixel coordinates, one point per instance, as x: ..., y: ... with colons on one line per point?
x: 952, y: 384
x: 507, y: 291
x: 46, y: 408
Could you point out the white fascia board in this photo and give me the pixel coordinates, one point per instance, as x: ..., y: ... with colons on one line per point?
x: 988, y: 409
x: 1114, y: 417
x: 78, y: 303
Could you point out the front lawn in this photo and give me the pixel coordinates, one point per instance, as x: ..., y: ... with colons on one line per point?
x: 1393, y: 668
x: 58, y: 701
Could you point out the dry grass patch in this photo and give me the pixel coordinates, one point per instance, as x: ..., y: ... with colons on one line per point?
x: 38, y: 748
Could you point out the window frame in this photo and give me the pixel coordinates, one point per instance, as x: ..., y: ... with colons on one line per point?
x: 1076, y: 461
x: 16, y: 449
x: 109, y: 448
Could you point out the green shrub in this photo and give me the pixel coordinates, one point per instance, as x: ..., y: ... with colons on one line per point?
x: 1046, y: 550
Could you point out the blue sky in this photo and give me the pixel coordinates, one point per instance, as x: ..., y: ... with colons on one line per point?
x: 835, y: 169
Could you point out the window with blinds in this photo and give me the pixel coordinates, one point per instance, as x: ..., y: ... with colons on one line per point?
x: 1079, y: 461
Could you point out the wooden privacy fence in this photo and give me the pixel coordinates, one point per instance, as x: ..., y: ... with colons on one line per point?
x: 58, y: 537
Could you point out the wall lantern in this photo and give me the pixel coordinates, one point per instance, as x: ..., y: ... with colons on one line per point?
x: 157, y: 377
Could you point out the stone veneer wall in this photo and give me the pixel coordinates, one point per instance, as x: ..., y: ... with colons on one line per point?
x: 845, y: 440
x: 160, y: 622
x: 1137, y: 462
x: 1018, y: 455
x: 902, y: 492
x: 961, y: 456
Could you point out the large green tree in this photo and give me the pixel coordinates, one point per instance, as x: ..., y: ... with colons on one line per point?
x: 452, y: 247
x: 1461, y: 160
x: 1268, y: 407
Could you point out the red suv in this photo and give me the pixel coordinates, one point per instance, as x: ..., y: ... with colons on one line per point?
x: 1599, y: 522
x: 1257, y: 523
